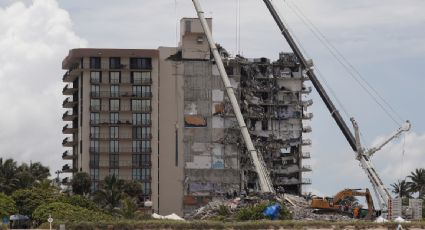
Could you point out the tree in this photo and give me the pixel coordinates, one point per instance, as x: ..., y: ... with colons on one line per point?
x: 110, y: 193
x: 8, y: 180
x: 27, y: 200
x: 81, y: 183
x: 7, y: 205
x: 133, y: 189
x: 401, y: 189
x: 418, y: 182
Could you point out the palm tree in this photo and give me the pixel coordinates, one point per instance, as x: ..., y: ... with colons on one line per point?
x: 110, y: 193
x: 81, y: 183
x: 402, y: 189
x: 418, y: 182
x: 8, y: 180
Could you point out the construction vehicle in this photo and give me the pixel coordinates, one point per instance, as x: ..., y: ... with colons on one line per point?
x: 341, y: 202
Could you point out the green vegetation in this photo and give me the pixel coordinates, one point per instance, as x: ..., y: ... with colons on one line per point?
x: 27, y: 200
x: 63, y: 212
x: 81, y: 183
x: 406, y: 189
x: 7, y: 205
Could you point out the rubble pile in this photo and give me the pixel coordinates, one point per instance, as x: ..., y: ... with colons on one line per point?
x: 298, y: 206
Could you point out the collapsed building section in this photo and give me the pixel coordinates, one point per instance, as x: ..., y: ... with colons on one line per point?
x: 271, y: 98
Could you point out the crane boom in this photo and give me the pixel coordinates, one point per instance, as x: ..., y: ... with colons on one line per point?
x: 403, y: 128
x: 266, y: 185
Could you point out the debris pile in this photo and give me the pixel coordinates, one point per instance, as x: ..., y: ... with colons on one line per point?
x: 298, y: 206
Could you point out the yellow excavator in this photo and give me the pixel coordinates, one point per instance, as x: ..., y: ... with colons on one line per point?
x: 337, y: 203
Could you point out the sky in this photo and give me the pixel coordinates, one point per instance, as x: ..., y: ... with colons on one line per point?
x: 384, y: 40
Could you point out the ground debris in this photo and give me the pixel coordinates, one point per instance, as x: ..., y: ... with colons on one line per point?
x: 228, y: 208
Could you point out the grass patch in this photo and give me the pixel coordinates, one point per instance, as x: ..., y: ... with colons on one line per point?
x: 259, y: 224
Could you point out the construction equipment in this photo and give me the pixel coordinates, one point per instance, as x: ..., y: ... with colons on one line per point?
x: 354, y: 142
x: 266, y: 185
x: 337, y: 204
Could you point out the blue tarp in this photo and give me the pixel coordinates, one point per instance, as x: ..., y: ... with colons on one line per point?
x: 272, y: 211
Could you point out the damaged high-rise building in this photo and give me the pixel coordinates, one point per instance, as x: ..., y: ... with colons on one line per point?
x: 162, y: 117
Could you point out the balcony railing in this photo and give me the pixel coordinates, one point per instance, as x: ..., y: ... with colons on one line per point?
x: 306, y: 168
x: 69, y: 89
x: 120, y: 122
x: 69, y: 103
x: 68, y: 142
x: 68, y: 129
x: 305, y: 155
x: 306, y: 142
x: 119, y: 164
x: 66, y: 168
x: 306, y: 181
x: 307, y: 129
x: 67, y: 155
x: 69, y: 116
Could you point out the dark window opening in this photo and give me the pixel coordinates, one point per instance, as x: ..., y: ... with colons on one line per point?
x: 140, y: 63
x: 115, y: 63
x: 95, y: 63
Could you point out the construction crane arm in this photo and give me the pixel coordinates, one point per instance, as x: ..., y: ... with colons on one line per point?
x: 403, y: 128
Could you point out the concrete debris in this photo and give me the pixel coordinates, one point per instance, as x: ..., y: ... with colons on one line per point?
x: 298, y: 206
x: 381, y: 220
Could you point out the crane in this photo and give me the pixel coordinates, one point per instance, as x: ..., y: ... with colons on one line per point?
x: 266, y: 185
x: 354, y: 141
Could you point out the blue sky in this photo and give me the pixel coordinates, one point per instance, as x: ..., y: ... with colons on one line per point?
x: 385, y: 40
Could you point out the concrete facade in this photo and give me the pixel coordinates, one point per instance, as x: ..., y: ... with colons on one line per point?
x: 196, y: 151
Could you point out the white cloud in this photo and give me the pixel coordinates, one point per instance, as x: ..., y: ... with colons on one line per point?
x: 34, y: 40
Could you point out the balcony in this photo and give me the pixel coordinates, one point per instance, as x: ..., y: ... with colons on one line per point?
x: 67, y: 142
x: 128, y: 94
x: 307, y: 116
x: 67, y: 155
x: 307, y: 129
x: 69, y: 89
x: 108, y: 122
x: 305, y: 155
x: 69, y: 116
x: 69, y: 103
x: 307, y: 103
x: 306, y: 181
x: 68, y: 129
x: 306, y: 142
x: 306, y: 168
x: 71, y: 74
x: 67, y: 169
x: 306, y: 90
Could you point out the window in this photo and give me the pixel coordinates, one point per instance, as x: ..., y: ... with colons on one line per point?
x: 136, y: 174
x: 95, y: 77
x: 141, y: 147
x: 94, y: 173
x: 94, y: 62
x: 94, y: 132
x: 95, y: 104
x: 114, y: 77
x: 94, y: 163
x: 146, y: 91
x: 137, y: 160
x: 94, y: 118
x: 146, y: 174
x: 140, y: 63
x: 94, y: 185
x: 115, y: 63
x: 114, y: 146
x: 141, y: 132
x: 94, y: 146
x: 141, y: 119
x: 114, y: 118
x: 140, y: 105
x: 114, y: 104
x: 146, y: 119
x: 137, y: 90
x: 113, y: 132
x: 114, y: 171
x: 141, y: 78
x: 146, y: 188
x: 95, y: 91
x: 114, y: 161
x: 115, y: 90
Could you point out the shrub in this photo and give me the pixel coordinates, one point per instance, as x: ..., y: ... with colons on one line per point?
x: 7, y: 205
x: 252, y: 213
x: 79, y: 201
x: 63, y: 212
x: 27, y: 200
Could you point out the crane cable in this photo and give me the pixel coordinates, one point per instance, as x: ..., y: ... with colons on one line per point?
x: 353, y: 72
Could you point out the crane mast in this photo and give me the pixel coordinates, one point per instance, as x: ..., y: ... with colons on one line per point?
x: 266, y: 185
x: 354, y: 142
